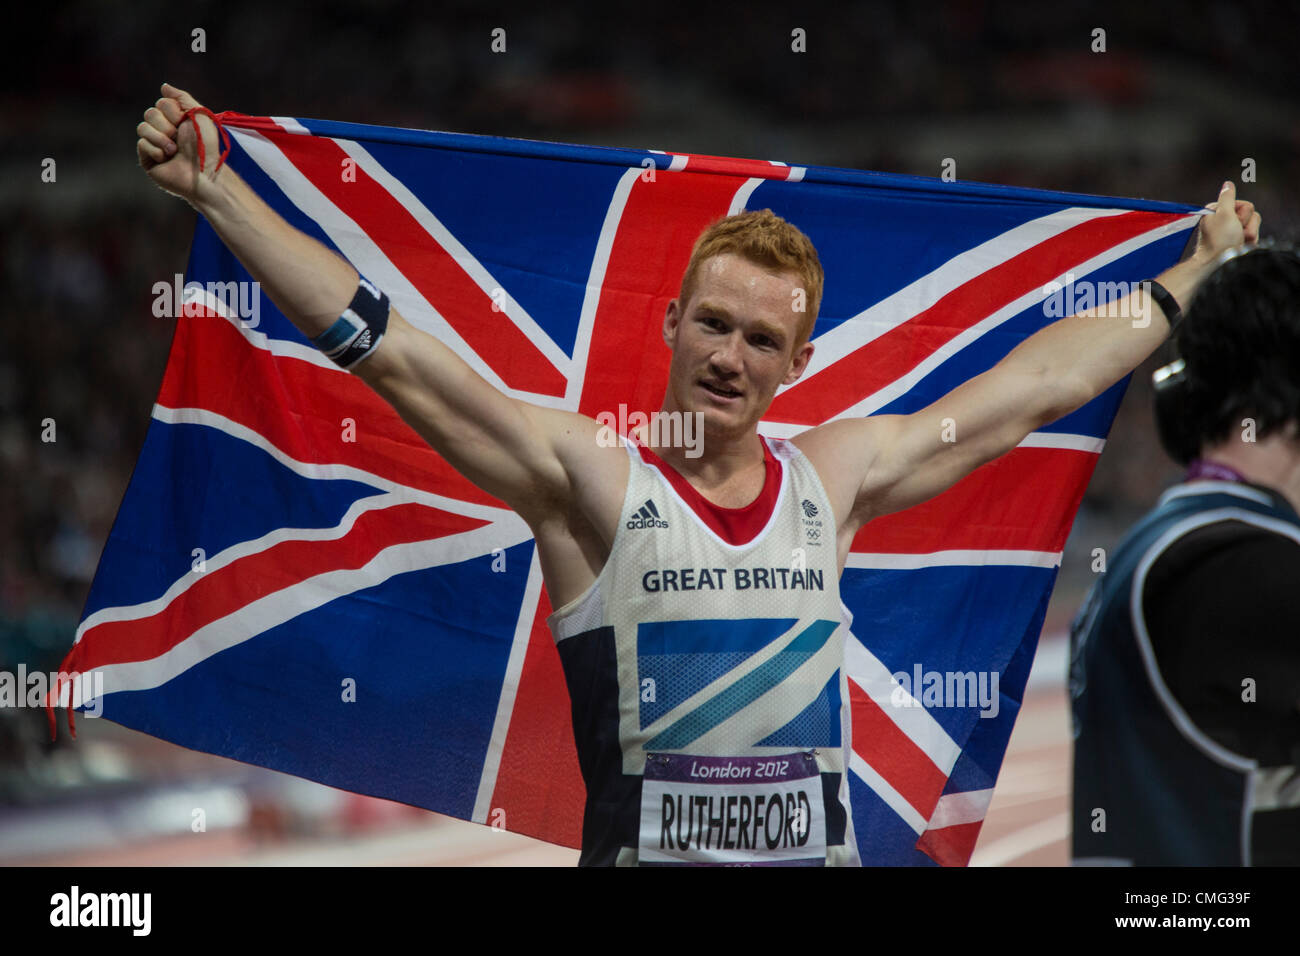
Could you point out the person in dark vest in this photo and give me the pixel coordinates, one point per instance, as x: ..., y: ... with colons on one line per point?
x: 1185, y: 657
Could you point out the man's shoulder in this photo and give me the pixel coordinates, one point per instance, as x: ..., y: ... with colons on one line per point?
x: 595, y: 465
x: 1210, y: 519
x: 1228, y: 553
x: 1235, y: 570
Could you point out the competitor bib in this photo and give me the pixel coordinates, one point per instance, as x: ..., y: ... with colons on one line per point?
x: 732, y: 811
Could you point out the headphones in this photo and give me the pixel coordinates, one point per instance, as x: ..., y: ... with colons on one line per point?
x: 1177, y: 437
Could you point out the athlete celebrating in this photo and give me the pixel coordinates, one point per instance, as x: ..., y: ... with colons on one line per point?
x: 698, y: 613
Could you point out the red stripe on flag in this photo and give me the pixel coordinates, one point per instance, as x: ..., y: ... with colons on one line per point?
x: 749, y: 168
x: 901, y: 349
x: 539, y: 784
x: 950, y: 846
x: 1023, y: 501
x: 302, y: 409
x: 628, y: 360
x: 434, y: 272
x: 245, y: 121
x: 894, y: 755
x: 223, y: 591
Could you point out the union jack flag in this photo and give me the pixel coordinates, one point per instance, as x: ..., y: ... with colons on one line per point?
x: 297, y: 581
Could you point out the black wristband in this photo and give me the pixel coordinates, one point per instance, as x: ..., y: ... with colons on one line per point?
x: 1167, y: 304
x: 359, y: 329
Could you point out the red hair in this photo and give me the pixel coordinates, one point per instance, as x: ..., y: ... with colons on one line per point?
x: 765, y: 239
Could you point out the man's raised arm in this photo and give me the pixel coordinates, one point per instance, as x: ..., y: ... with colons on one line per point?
x: 506, y: 447
x: 907, y: 459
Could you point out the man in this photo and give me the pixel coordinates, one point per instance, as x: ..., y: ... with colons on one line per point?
x: 707, y: 706
x: 1186, y: 656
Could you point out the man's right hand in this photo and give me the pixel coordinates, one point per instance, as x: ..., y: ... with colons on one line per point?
x: 168, y: 149
x: 546, y: 464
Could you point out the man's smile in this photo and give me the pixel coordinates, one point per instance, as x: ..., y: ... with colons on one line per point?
x: 718, y: 389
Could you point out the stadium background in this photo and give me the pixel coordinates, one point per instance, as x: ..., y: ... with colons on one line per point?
x: 1183, y: 94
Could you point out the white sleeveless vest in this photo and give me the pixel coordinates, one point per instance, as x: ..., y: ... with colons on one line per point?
x: 702, y: 656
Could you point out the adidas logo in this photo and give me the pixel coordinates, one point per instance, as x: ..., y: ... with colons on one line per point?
x: 647, y: 517
x: 363, y: 340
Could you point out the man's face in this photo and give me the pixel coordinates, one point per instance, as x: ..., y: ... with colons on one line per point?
x: 733, y: 343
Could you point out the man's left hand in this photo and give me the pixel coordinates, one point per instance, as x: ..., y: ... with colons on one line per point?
x: 1232, y: 223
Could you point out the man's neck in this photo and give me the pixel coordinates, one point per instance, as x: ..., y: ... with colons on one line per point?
x: 1273, y: 462
x: 715, y: 460
x: 721, y: 456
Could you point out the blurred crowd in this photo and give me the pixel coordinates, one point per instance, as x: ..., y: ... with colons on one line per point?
x: 589, y: 65
x: 81, y: 355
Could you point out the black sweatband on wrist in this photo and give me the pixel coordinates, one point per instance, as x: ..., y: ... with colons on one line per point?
x: 1167, y: 304
x: 359, y: 329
